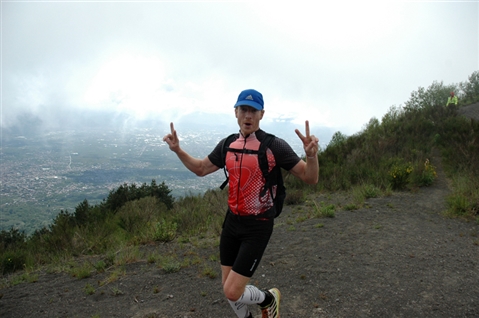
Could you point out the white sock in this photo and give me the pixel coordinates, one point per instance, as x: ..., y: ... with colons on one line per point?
x: 241, y: 309
x: 251, y: 295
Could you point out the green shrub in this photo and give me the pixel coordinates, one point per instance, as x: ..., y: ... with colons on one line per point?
x: 89, y: 289
x: 470, y: 89
x: 128, y: 254
x: 464, y: 200
x: 12, y: 238
x: 324, y: 210
x: 165, y: 231
x: 425, y: 174
x: 458, y: 205
x: 169, y: 264
x: 127, y: 193
x: 81, y: 271
x: 100, y: 266
x: 11, y: 261
x: 135, y: 215
x: 370, y: 191
x: 328, y: 211
x: 25, y: 277
x: 399, y: 174
x: 209, y: 271
x: 350, y: 207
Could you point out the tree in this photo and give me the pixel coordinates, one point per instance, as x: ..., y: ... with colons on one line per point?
x: 126, y: 193
x: 470, y: 90
x: 82, y: 213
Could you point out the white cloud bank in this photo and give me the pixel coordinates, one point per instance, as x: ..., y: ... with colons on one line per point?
x: 336, y: 64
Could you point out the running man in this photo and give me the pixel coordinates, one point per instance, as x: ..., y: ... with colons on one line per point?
x: 248, y: 225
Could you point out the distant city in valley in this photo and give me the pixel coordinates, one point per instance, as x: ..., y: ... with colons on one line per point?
x: 44, y: 172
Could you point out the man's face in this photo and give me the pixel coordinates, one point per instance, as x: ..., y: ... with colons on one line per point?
x: 248, y: 119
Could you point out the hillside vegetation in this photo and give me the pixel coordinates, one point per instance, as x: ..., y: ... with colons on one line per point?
x: 396, y: 153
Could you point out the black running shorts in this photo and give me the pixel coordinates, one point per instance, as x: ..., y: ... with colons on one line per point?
x: 243, y: 242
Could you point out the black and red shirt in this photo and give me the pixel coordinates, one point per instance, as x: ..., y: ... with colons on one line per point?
x: 245, y: 178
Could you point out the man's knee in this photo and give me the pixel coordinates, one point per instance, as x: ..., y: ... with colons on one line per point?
x: 232, y: 293
x: 234, y: 287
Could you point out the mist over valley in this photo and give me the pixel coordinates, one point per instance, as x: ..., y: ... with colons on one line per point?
x: 49, y: 165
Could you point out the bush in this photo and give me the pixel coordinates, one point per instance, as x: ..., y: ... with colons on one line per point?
x: 12, y: 238
x: 399, y: 174
x: 470, y: 89
x: 11, y: 261
x: 370, y: 191
x: 427, y: 175
x: 458, y: 205
x: 127, y: 193
x: 135, y: 215
x: 165, y: 231
x: 464, y: 200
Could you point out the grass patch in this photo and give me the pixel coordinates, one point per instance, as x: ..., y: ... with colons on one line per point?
x: 324, y: 210
x: 127, y: 255
x: 169, y: 264
x: 82, y: 271
x: 209, y: 272
x: 100, y: 266
x: 350, y: 207
x: 165, y: 231
x: 464, y: 200
x: 25, y: 277
x: 152, y: 258
x: 114, y: 276
x: 89, y: 289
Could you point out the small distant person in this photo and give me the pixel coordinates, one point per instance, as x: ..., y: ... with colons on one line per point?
x: 452, y: 100
x: 248, y: 224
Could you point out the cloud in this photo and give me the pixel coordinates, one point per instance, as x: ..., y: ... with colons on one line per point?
x: 337, y: 64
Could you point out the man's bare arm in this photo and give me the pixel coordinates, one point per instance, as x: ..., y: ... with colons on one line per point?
x: 308, y: 171
x: 200, y: 167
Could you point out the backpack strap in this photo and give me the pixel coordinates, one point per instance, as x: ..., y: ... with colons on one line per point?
x: 273, y: 177
x: 263, y: 163
x: 224, y: 148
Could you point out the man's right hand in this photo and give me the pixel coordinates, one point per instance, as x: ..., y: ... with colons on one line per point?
x: 172, y: 139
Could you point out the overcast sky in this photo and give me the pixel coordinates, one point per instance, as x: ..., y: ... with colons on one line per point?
x: 337, y: 64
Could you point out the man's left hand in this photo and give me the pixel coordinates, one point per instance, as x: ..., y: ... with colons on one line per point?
x: 310, y: 142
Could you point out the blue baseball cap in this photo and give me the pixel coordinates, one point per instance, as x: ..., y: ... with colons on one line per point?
x: 250, y: 97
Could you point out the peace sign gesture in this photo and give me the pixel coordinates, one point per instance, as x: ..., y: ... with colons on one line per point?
x: 310, y: 142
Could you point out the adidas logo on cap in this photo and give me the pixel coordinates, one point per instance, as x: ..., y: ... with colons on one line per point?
x: 250, y: 97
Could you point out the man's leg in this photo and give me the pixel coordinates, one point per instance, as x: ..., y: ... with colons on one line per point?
x: 244, y: 255
x: 239, y: 293
x: 233, y: 287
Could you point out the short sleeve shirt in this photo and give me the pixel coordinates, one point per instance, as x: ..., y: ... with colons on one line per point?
x: 245, y: 177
